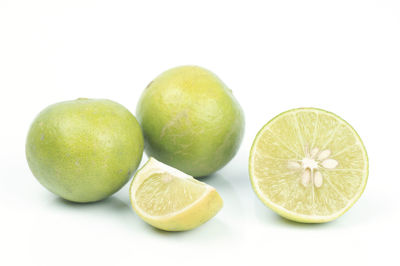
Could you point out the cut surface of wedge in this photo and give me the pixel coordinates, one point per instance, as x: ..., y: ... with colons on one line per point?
x: 171, y: 200
x: 308, y: 165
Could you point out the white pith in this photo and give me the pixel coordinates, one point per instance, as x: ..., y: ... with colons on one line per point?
x: 153, y: 167
x: 312, y: 161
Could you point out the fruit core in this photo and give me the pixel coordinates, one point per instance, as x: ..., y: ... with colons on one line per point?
x: 314, y: 160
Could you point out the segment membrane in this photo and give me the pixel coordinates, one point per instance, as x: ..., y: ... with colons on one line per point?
x: 285, y: 130
x: 289, y: 138
x: 352, y: 158
x: 347, y: 182
x: 287, y: 191
x: 328, y: 200
x: 271, y: 146
x: 326, y: 130
x: 308, y: 122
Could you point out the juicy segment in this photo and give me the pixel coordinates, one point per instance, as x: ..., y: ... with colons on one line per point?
x: 171, y: 200
x: 308, y: 165
x: 162, y: 194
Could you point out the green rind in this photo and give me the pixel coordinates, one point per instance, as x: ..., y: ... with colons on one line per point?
x: 84, y: 150
x: 190, y: 120
x: 299, y: 217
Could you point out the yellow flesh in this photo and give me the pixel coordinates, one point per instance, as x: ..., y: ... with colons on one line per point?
x: 162, y: 194
x: 171, y: 200
x: 288, y: 138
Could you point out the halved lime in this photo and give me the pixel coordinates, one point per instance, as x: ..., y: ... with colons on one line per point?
x: 308, y: 165
x: 171, y: 200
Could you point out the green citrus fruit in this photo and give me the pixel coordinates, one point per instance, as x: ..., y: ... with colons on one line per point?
x: 308, y: 165
x: 190, y: 120
x: 171, y: 200
x: 84, y: 150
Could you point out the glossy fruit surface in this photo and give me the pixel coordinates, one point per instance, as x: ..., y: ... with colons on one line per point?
x: 84, y: 150
x: 190, y: 120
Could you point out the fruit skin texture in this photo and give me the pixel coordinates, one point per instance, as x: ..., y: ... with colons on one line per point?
x: 283, y: 212
x: 190, y: 120
x: 84, y: 150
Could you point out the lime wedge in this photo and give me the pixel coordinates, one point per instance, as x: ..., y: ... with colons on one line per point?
x: 308, y: 165
x: 171, y: 200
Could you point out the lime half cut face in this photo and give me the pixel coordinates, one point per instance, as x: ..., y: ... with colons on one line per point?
x: 308, y: 165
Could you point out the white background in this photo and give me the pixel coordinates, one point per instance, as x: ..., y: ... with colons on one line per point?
x: 343, y: 56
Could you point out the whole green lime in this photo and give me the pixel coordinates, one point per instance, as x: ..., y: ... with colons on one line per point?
x: 84, y: 150
x: 190, y: 120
